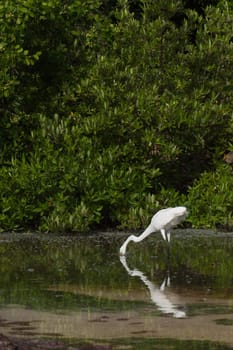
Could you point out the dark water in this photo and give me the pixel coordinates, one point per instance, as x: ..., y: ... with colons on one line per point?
x: 79, y: 289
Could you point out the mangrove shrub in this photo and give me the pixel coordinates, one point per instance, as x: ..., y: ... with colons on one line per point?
x: 109, y: 114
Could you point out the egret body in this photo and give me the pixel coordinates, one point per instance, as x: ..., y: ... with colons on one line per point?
x: 162, y: 221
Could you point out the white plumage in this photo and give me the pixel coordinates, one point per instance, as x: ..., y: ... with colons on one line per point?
x: 162, y: 221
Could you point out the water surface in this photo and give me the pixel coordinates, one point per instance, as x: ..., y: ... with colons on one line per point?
x: 78, y: 288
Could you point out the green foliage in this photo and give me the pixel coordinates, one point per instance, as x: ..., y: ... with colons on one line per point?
x: 108, y: 115
x: 210, y: 199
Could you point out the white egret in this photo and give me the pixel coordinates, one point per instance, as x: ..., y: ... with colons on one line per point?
x: 162, y: 221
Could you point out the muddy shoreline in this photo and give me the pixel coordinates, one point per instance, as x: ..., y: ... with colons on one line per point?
x: 10, y: 343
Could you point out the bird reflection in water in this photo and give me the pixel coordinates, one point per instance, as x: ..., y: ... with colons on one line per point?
x: 158, y: 295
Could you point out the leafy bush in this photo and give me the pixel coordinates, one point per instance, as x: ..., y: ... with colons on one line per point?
x: 108, y: 115
x: 210, y: 199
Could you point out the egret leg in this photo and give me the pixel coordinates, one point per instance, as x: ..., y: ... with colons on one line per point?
x: 168, y: 237
x: 168, y: 257
x: 166, y: 283
x: 163, y: 285
x: 163, y: 233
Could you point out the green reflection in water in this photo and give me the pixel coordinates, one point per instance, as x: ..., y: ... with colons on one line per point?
x: 56, y: 272
x: 68, y: 273
x: 225, y: 321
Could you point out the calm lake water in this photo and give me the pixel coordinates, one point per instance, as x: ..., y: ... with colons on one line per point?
x: 77, y: 288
